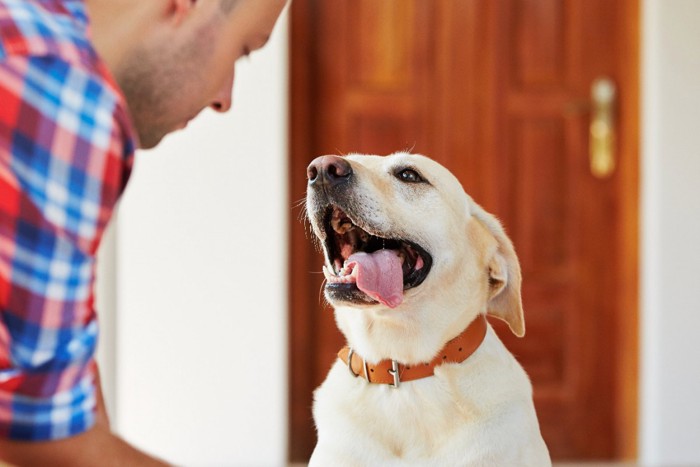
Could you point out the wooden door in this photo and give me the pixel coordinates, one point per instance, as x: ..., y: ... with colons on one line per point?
x: 499, y: 92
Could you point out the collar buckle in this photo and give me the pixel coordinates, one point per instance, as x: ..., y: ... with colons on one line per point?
x: 395, y: 373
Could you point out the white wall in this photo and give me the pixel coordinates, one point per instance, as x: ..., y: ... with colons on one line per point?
x: 670, y: 391
x: 201, y: 320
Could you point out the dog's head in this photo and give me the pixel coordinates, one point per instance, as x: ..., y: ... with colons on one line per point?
x: 409, y: 255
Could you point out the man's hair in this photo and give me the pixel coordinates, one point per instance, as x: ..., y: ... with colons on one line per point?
x: 227, y: 5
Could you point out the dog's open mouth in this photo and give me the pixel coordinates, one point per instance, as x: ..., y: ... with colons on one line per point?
x: 367, y: 267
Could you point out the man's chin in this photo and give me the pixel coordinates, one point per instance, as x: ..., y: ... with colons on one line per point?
x: 150, y: 140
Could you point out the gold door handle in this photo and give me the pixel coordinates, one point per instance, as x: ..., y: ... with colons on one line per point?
x: 602, y: 130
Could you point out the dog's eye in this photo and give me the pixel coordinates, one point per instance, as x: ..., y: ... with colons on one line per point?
x: 409, y: 176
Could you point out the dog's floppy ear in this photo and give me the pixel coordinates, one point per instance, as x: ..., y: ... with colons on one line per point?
x: 504, y: 275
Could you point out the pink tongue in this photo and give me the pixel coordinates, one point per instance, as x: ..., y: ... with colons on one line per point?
x: 379, y: 275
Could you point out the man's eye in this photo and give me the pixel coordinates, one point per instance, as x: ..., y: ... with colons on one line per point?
x: 409, y: 176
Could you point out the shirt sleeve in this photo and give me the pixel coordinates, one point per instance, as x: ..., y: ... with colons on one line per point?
x: 62, y: 158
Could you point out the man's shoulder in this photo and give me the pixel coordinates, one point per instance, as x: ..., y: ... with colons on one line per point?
x: 46, y: 43
x: 46, y: 28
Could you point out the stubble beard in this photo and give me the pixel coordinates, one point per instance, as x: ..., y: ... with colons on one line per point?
x: 145, y: 90
x: 156, y: 85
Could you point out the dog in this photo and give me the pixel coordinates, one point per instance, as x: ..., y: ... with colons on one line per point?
x: 412, y: 267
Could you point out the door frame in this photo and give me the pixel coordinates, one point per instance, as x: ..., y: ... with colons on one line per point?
x: 627, y: 354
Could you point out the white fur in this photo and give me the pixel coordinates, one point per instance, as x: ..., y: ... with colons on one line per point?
x: 476, y: 413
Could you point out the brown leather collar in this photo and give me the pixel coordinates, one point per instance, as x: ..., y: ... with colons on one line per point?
x: 393, y: 373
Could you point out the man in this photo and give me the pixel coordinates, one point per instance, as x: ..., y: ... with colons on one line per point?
x: 82, y: 84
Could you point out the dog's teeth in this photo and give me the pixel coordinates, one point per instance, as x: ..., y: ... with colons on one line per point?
x: 327, y: 274
x: 344, y: 228
x: 346, y: 274
x: 402, y: 256
x: 342, y: 225
x: 340, y: 222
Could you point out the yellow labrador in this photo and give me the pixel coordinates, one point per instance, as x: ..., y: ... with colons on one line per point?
x: 413, y: 265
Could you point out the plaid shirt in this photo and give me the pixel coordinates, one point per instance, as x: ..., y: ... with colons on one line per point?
x: 66, y: 150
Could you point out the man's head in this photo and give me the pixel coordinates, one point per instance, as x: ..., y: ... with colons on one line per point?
x: 185, y: 61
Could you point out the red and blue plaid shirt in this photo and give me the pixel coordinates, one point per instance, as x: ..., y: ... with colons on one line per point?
x: 66, y: 150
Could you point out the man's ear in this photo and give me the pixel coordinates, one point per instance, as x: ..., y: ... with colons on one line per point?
x: 178, y: 10
x: 504, y: 275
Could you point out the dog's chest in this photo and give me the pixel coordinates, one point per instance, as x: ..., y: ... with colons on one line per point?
x: 416, y: 419
x: 479, y: 412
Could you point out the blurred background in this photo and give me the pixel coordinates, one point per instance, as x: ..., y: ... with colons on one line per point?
x: 574, y: 121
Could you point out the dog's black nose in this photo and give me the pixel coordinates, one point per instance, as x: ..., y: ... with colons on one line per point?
x: 328, y: 169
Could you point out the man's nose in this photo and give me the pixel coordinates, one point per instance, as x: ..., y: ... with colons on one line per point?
x: 223, y: 100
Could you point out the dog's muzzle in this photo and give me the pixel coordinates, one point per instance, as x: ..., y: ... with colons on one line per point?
x: 365, y: 265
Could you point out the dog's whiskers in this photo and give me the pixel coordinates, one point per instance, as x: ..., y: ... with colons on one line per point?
x: 303, y: 212
x: 303, y: 217
x: 320, y: 291
x: 411, y: 149
x: 299, y: 202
